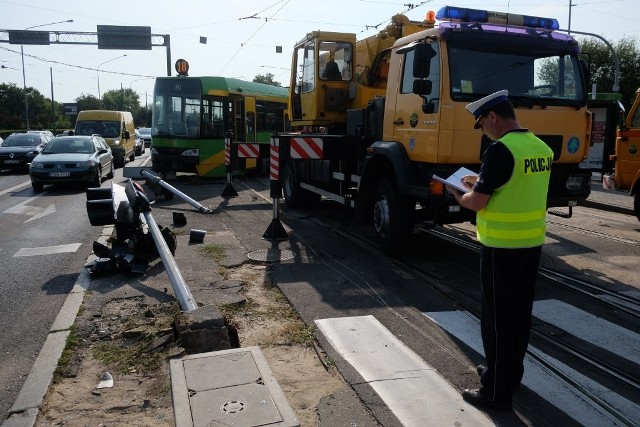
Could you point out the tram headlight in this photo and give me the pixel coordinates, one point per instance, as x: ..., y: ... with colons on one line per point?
x: 194, y: 152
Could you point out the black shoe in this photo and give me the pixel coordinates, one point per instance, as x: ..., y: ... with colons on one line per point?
x: 481, y: 369
x: 478, y: 399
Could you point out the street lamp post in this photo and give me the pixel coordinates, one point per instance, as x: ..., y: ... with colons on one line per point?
x: 98, y: 74
x: 24, y: 78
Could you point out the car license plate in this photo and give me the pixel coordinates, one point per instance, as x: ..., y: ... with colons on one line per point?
x: 11, y: 162
x: 59, y: 174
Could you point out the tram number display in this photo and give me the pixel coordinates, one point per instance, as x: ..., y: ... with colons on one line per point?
x: 182, y: 67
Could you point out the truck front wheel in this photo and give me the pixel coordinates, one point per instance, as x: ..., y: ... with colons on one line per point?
x: 391, y: 218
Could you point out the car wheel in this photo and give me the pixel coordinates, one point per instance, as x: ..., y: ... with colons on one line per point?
x: 37, y: 187
x: 132, y: 157
x: 110, y: 174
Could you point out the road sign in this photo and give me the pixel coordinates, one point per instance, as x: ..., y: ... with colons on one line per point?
x: 124, y: 37
x: 28, y: 37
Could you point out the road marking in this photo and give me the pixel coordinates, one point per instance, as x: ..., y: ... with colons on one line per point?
x: 414, y: 391
x: 14, y: 188
x: 48, y: 250
x: 537, y: 378
x: 590, y: 328
x: 34, y: 212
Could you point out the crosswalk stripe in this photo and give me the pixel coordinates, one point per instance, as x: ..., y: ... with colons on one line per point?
x: 414, y: 391
x: 590, y: 328
x: 461, y: 325
x: 48, y: 250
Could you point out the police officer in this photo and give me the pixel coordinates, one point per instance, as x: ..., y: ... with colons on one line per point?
x: 510, y: 198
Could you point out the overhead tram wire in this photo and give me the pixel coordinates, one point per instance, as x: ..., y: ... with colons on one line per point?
x: 266, y: 20
x: 76, y: 66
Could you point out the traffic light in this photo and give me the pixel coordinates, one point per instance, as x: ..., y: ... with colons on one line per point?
x: 126, y: 208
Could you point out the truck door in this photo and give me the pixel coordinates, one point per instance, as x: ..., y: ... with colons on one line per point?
x: 416, y: 119
x: 628, y: 150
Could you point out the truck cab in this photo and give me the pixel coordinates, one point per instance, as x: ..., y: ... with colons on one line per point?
x: 626, y: 174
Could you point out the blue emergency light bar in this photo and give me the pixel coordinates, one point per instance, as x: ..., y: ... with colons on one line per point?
x: 460, y: 14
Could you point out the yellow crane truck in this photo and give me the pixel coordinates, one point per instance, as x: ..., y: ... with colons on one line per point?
x: 375, y: 119
x: 626, y: 160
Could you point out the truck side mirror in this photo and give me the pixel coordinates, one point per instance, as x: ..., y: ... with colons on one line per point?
x: 422, y: 87
x: 623, y: 117
x: 127, y: 135
x: 422, y: 60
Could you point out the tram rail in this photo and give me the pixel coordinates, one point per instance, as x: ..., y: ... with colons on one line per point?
x: 468, y: 301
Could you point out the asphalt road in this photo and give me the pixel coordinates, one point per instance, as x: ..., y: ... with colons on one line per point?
x: 45, y: 238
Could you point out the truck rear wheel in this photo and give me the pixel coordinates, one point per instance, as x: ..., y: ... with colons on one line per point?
x: 391, y: 218
x: 294, y: 195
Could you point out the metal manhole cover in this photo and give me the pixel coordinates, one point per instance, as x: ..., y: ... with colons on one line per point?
x: 233, y: 407
x: 270, y: 255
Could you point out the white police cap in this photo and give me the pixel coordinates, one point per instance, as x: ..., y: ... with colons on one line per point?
x: 482, y: 105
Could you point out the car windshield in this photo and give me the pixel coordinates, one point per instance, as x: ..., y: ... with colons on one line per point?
x: 106, y: 129
x: 145, y: 132
x: 22, y: 140
x: 69, y: 145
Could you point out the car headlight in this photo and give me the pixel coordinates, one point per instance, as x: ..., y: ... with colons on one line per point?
x: 30, y: 154
x: 37, y: 165
x: 88, y: 163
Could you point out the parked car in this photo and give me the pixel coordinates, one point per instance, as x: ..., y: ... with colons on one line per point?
x: 66, y: 132
x: 72, y: 159
x: 46, y: 133
x: 145, y: 134
x: 19, y: 149
x: 140, y: 149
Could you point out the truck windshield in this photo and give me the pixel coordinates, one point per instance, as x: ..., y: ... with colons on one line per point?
x: 544, y: 78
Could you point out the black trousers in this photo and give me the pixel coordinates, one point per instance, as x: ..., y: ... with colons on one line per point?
x: 508, y: 278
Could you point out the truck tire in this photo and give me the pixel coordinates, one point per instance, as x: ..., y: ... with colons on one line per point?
x: 294, y: 195
x: 391, y: 218
x: 636, y: 204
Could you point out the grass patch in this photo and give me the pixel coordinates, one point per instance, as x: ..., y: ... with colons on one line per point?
x: 216, y: 252
x: 229, y: 311
x: 123, y: 359
x: 298, y: 333
x: 66, y: 358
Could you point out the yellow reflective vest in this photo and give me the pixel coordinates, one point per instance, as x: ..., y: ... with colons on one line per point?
x: 515, y: 216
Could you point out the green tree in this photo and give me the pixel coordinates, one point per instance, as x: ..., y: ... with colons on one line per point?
x: 11, y: 107
x: 267, y: 79
x: 87, y: 102
x: 121, y: 100
x: 602, y: 65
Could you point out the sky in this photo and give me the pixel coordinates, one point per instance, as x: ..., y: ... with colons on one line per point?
x: 241, y: 35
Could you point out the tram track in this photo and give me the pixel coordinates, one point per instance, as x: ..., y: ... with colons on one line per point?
x: 467, y: 301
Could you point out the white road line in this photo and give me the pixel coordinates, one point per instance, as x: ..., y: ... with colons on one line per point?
x: 48, y: 250
x: 14, y: 188
x: 590, y: 328
x: 414, y: 391
x: 461, y: 325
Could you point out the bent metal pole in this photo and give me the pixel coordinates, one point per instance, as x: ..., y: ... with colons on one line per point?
x: 180, y: 288
x: 156, y: 180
